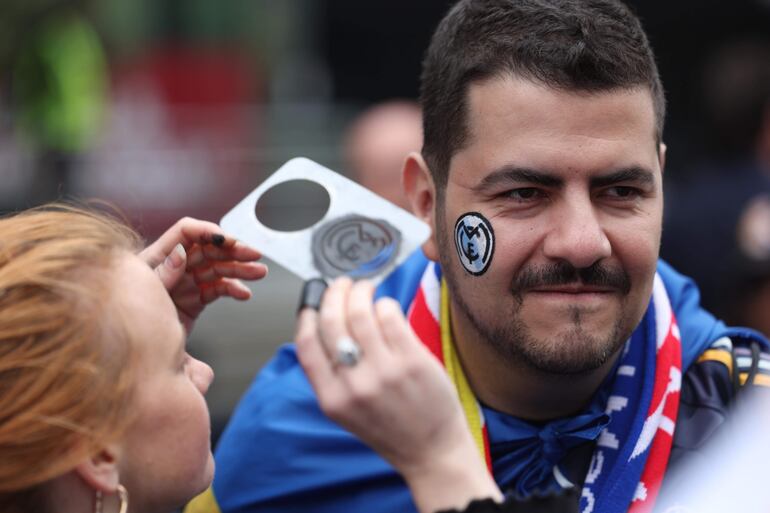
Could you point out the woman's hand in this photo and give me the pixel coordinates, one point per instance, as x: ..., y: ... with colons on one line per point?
x: 396, y: 398
x: 198, y: 263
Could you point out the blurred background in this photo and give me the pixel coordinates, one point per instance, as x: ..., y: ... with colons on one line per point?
x: 168, y: 108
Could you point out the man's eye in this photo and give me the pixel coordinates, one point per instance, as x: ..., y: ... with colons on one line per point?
x: 623, y: 192
x: 524, y: 194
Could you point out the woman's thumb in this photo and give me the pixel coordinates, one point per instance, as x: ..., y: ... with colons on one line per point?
x: 173, y: 267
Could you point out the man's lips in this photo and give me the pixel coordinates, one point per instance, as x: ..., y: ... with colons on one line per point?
x: 574, y: 290
x: 561, y: 296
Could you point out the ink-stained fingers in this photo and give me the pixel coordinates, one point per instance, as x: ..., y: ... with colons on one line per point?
x: 196, y: 231
x: 224, y: 287
x: 206, y: 274
x: 201, y: 254
x: 185, y: 286
x: 238, y: 251
x: 361, y: 321
x: 331, y: 318
x: 187, y: 231
x: 192, y: 300
x: 239, y: 270
x: 193, y: 232
x: 312, y: 294
x: 243, y: 270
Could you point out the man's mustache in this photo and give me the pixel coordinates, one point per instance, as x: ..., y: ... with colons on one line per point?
x: 564, y: 273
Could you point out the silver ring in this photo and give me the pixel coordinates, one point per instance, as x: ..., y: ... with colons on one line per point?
x: 348, y: 352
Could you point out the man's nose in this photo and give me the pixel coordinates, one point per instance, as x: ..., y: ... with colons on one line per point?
x: 577, y: 235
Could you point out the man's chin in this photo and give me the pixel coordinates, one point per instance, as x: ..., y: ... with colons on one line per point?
x: 568, y: 367
x: 569, y: 351
x: 556, y: 310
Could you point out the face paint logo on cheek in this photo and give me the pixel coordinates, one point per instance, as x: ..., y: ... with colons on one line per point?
x: 475, y: 242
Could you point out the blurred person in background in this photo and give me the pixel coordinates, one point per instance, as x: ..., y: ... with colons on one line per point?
x: 377, y: 143
x: 585, y: 368
x: 59, y: 93
x: 717, y: 226
x: 101, y: 407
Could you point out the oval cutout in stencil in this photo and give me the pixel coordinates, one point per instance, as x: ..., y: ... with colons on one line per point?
x: 292, y: 205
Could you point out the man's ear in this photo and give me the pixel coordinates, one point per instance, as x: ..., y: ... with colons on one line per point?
x: 421, y: 192
x: 662, y: 156
x: 100, y: 471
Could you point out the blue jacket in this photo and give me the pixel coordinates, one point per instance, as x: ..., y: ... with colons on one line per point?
x: 280, y: 453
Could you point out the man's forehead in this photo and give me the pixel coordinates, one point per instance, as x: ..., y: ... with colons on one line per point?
x: 483, y: 96
x: 510, y: 118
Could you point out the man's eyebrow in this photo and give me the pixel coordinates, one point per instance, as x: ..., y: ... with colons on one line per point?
x: 631, y: 174
x: 517, y: 175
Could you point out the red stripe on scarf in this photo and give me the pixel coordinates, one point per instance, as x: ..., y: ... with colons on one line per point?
x: 487, y: 453
x: 425, y: 325
x: 669, y: 356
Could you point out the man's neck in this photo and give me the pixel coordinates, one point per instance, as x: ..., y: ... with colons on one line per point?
x: 517, y: 389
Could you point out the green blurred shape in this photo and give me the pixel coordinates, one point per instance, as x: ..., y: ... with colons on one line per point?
x: 60, y: 83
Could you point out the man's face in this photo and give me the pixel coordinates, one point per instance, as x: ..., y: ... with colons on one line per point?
x: 571, y: 185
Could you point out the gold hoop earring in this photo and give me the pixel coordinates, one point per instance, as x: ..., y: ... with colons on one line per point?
x: 123, y: 496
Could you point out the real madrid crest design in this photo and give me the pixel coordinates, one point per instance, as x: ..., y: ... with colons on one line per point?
x: 475, y: 242
x: 354, y: 245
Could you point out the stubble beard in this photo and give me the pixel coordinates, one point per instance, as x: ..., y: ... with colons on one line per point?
x: 568, y: 353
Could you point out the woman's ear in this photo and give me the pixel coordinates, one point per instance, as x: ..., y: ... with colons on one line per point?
x: 421, y: 192
x: 100, y: 471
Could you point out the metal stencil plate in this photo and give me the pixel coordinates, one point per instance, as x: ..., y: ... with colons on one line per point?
x: 361, y: 235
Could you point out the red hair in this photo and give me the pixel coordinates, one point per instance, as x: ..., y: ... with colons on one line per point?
x: 66, y: 375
